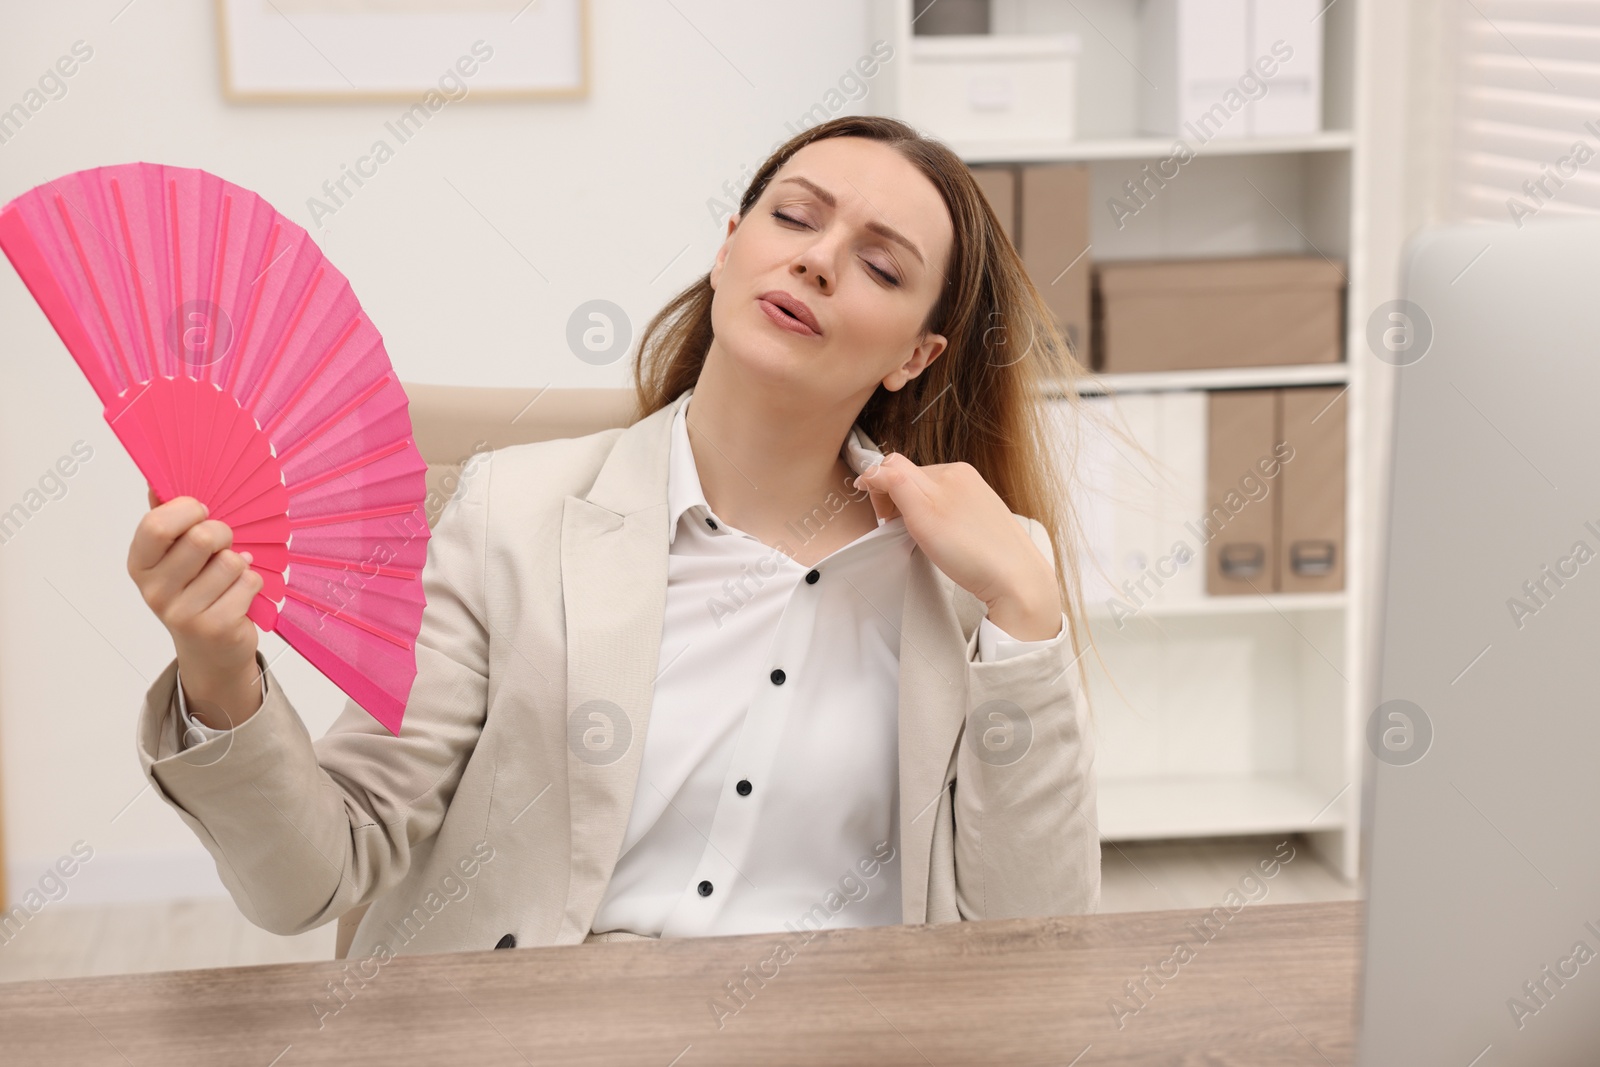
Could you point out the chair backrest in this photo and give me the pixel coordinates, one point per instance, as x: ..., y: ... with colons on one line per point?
x: 450, y: 423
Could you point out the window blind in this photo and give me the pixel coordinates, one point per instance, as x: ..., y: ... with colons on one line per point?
x: 1527, y: 109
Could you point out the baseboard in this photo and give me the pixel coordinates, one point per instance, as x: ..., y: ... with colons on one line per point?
x: 114, y: 878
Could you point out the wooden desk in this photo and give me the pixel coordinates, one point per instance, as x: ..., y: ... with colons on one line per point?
x: 1276, y: 985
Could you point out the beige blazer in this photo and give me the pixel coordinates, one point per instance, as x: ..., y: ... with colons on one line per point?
x: 546, y: 585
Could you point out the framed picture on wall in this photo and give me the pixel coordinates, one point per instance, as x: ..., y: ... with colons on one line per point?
x: 286, y: 51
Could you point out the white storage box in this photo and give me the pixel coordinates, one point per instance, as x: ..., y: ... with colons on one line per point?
x: 989, y: 90
x: 1230, y: 68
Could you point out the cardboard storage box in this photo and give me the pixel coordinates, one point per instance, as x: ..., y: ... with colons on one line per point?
x: 945, y: 17
x: 1193, y: 314
x: 1053, y: 239
x: 999, y: 185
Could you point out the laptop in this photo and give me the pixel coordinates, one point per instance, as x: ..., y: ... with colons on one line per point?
x: 1483, y: 793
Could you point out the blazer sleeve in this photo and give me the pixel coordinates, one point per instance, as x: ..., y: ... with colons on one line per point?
x: 192, y: 731
x: 1027, y: 839
x: 302, y: 830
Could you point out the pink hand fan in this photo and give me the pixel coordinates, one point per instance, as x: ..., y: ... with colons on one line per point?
x: 237, y: 367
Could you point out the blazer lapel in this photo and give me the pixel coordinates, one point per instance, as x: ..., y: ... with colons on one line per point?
x: 933, y: 693
x: 614, y: 588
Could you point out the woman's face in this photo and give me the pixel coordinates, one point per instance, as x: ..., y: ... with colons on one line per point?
x: 852, y: 230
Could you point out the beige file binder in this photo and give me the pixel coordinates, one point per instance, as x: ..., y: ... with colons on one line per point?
x: 1054, y: 229
x: 1242, y: 486
x: 1311, y: 497
x: 999, y: 185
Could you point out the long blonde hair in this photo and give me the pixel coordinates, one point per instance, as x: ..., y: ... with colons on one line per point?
x: 981, y: 401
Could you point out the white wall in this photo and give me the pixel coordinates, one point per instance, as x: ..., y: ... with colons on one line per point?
x: 605, y: 196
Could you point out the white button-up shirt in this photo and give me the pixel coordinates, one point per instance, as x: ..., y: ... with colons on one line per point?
x: 768, y: 792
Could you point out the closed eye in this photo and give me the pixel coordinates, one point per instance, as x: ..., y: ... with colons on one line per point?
x: 885, y: 275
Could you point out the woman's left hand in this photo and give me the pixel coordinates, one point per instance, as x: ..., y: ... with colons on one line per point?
x: 967, y: 531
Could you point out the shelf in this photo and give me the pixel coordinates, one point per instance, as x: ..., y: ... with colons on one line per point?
x: 1142, y: 809
x: 1149, y: 148
x: 1231, y: 605
x: 1223, y: 378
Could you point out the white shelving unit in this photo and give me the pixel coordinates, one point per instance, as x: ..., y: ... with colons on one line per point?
x: 1221, y: 715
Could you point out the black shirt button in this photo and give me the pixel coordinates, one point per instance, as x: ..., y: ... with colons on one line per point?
x: 811, y: 579
x: 711, y: 522
x: 778, y: 676
x: 705, y: 889
x: 743, y: 787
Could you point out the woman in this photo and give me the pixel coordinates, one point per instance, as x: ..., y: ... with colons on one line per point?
x: 644, y: 707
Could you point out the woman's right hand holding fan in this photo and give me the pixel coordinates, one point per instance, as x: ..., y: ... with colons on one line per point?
x: 200, y: 589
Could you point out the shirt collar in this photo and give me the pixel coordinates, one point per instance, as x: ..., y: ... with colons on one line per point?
x: 683, y: 478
